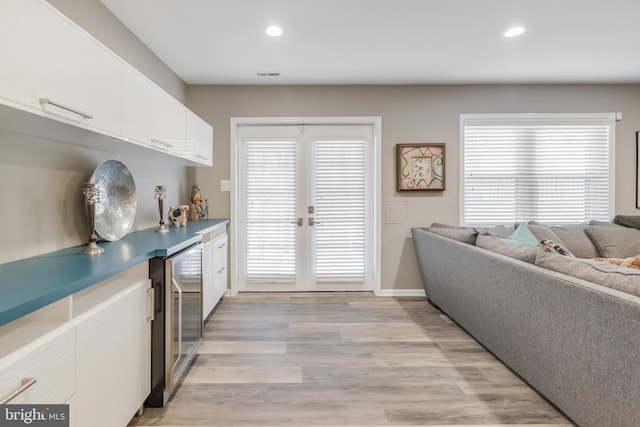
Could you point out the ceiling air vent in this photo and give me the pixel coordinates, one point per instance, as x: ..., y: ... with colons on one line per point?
x: 268, y: 74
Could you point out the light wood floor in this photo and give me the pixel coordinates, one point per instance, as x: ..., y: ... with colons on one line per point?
x: 346, y: 359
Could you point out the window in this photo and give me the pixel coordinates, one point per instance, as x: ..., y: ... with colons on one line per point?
x: 552, y: 168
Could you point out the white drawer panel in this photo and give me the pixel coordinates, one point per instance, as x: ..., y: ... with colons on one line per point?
x: 50, y: 361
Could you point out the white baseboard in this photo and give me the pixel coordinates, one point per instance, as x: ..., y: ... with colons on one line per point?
x: 402, y: 293
x: 382, y: 293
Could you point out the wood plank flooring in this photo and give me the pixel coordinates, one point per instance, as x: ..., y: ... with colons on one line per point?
x: 345, y: 359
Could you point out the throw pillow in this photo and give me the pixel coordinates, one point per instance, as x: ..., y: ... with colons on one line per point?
x: 522, y: 236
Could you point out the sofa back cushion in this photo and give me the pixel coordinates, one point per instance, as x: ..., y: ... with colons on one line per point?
x: 572, y: 237
x: 632, y: 221
x: 615, y: 241
x: 497, y: 244
x: 462, y: 234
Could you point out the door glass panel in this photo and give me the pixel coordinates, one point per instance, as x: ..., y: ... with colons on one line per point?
x: 271, y: 210
x: 340, y: 209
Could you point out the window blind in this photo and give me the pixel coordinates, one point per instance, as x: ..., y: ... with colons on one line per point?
x: 340, y: 206
x: 271, y: 210
x: 553, y: 173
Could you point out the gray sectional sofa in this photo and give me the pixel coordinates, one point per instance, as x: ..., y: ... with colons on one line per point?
x: 569, y: 327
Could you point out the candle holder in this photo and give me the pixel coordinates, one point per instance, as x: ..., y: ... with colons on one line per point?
x: 91, y: 196
x: 161, y: 191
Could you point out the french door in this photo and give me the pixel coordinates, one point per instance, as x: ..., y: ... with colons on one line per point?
x: 305, y: 208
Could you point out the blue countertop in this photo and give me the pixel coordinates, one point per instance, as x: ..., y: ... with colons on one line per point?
x: 30, y: 284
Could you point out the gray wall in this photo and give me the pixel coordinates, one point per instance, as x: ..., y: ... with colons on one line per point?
x: 42, y: 179
x: 413, y: 114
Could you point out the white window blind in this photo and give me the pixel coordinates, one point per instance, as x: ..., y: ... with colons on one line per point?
x: 271, y: 210
x: 340, y: 208
x: 550, y: 168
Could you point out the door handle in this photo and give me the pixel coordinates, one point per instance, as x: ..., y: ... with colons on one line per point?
x: 179, y: 289
x: 151, y: 294
x: 312, y: 222
x: 299, y: 222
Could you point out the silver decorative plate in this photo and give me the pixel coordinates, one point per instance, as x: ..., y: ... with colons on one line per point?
x: 116, y: 208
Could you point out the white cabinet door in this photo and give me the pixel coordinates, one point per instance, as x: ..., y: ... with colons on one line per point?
x: 208, y: 293
x: 150, y: 116
x: 214, y: 272
x: 44, y: 55
x: 220, y: 267
x: 113, y: 355
x: 47, y: 365
x: 199, y: 144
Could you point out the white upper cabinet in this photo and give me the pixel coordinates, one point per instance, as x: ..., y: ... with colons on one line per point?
x: 199, y: 140
x: 44, y: 56
x: 150, y: 116
x: 52, y: 68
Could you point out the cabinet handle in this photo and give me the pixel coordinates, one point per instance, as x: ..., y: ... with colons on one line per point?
x: 152, y: 293
x: 165, y: 144
x: 24, y: 384
x: 65, y: 107
x: 221, y: 270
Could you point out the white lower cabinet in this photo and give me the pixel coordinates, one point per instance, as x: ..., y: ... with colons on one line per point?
x: 72, y: 415
x: 208, y: 294
x: 214, y: 271
x: 41, y: 372
x: 220, y: 267
x: 91, y: 350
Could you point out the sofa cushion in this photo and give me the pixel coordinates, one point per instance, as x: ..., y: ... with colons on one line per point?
x: 631, y: 262
x: 497, y: 244
x: 462, y: 234
x: 614, y: 241
x: 610, y: 275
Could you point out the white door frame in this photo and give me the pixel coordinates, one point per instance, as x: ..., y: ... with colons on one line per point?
x: 375, y: 122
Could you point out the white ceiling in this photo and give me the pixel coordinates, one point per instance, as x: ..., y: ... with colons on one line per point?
x: 390, y: 41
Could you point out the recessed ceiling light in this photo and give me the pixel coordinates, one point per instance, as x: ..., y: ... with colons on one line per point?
x: 274, y: 31
x: 515, y: 31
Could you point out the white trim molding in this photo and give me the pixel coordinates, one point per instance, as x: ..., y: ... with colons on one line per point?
x: 402, y: 293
